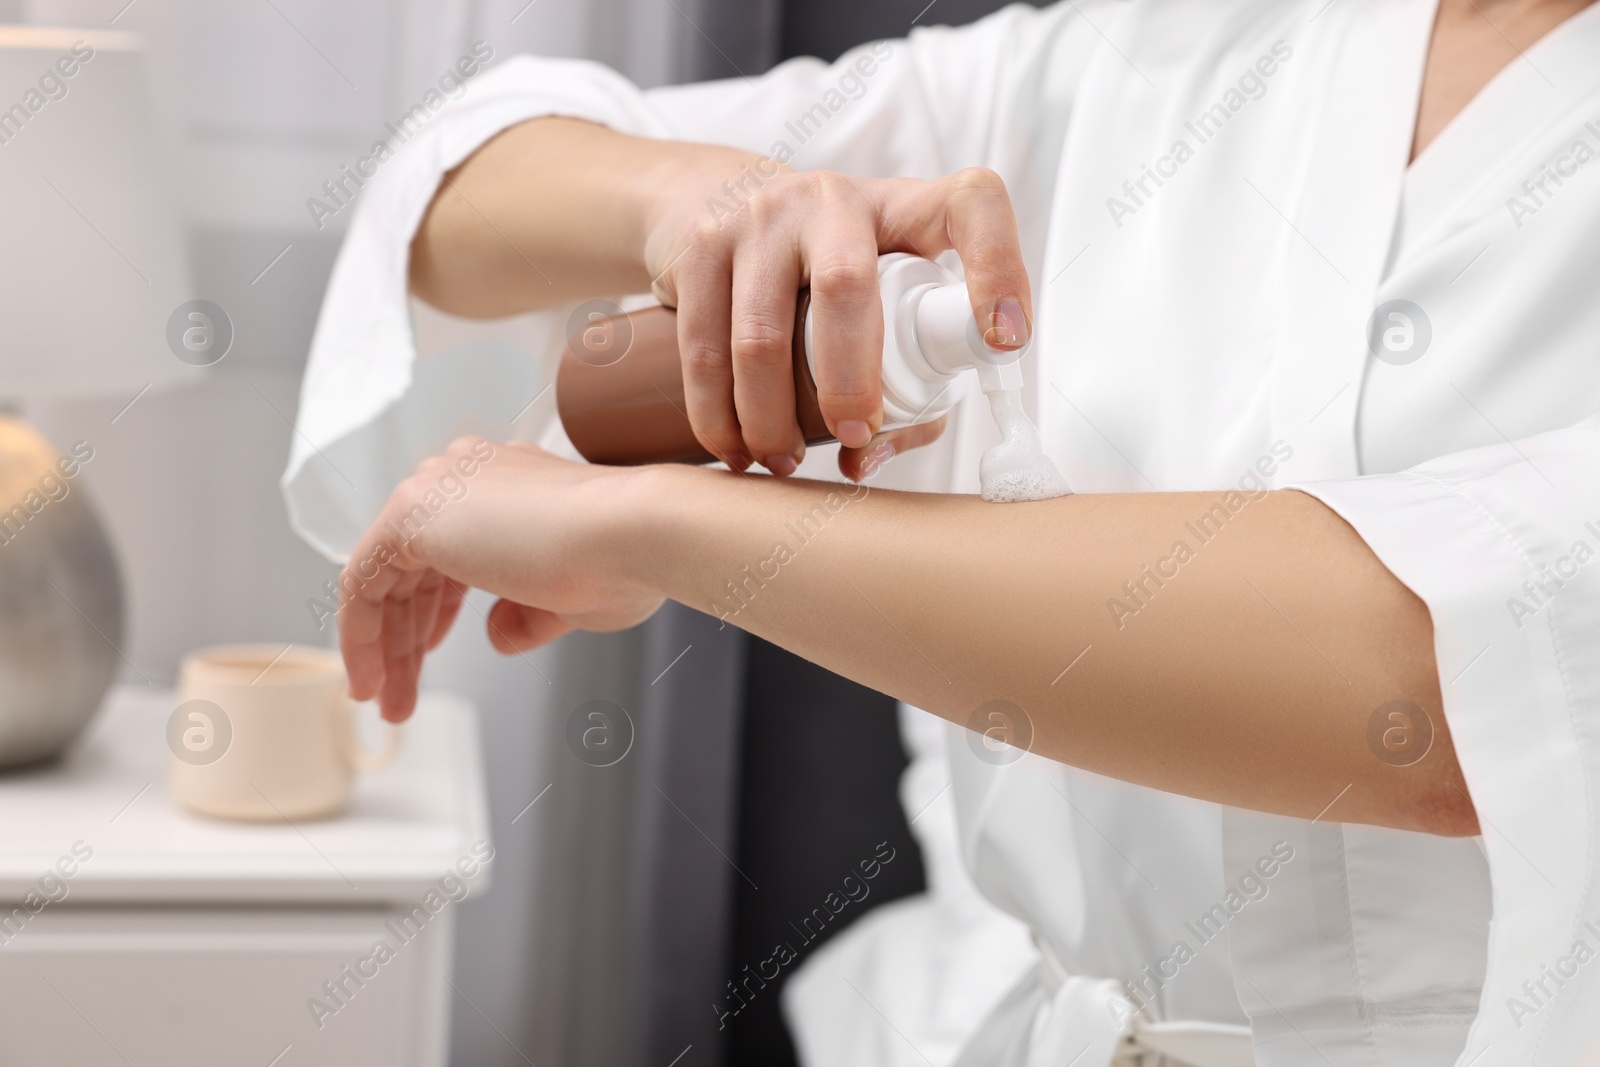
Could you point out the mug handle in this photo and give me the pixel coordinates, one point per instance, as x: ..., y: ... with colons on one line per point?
x: 366, y: 760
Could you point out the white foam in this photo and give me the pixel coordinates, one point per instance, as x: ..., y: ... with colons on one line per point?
x: 1017, y: 469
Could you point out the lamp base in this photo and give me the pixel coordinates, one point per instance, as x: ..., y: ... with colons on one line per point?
x: 61, y: 606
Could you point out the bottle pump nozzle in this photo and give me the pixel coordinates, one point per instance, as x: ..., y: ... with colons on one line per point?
x: 929, y: 338
x: 948, y: 336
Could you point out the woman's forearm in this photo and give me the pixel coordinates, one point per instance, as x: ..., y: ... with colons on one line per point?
x: 552, y: 209
x: 1207, y: 644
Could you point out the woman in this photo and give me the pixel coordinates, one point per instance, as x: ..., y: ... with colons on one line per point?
x: 1344, y: 247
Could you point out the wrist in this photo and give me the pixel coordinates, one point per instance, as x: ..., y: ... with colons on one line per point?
x: 650, y: 522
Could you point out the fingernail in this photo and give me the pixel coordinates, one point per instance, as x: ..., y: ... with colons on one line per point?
x: 853, y: 433
x: 779, y: 465
x: 737, y: 460
x: 1008, y: 327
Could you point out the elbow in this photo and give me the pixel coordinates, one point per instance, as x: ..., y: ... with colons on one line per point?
x: 423, y: 283
x: 426, y: 281
x: 1436, y: 794
x: 430, y: 283
x: 1443, y: 808
x: 443, y: 264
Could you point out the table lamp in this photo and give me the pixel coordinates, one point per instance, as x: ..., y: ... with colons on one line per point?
x: 92, y: 273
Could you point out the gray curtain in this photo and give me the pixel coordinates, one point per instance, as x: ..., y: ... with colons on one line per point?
x: 687, y: 833
x: 731, y: 37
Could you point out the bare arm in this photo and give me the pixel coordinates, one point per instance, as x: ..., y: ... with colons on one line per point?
x: 552, y: 209
x: 1248, y: 676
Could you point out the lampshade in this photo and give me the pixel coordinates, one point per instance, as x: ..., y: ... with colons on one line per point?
x: 93, y: 270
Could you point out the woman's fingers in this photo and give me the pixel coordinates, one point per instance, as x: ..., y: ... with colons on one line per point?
x: 397, y: 631
x: 398, y: 695
x: 841, y: 251
x: 969, y: 211
x: 704, y: 283
x: 734, y: 284
x: 983, y: 229
x: 766, y: 281
x: 386, y: 629
x: 365, y: 583
x: 402, y: 645
x: 389, y: 610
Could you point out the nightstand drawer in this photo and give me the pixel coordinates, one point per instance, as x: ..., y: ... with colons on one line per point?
x: 181, y: 986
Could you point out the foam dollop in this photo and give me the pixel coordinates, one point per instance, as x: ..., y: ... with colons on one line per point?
x: 1017, y: 469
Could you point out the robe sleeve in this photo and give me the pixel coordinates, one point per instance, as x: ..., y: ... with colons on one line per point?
x: 1503, y: 545
x: 376, y: 399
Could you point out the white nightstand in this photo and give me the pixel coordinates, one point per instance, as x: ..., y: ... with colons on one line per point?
x: 184, y: 941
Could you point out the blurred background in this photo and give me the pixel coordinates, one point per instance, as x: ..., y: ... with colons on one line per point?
x: 625, y: 897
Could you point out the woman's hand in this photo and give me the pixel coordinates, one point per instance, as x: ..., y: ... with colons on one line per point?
x: 728, y: 238
x: 544, y: 534
x: 731, y: 240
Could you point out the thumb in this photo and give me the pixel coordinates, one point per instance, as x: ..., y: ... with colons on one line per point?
x: 517, y: 628
x: 983, y: 228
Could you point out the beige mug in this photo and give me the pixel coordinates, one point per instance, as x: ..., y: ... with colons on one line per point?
x: 267, y: 733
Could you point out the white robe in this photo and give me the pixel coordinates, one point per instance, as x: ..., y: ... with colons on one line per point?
x: 1190, y: 330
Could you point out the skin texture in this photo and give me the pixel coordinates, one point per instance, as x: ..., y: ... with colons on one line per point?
x: 1235, y: 679
x: 1250, y: 678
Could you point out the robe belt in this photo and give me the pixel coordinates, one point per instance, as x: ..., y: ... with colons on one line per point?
x: 1074, y: 1000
